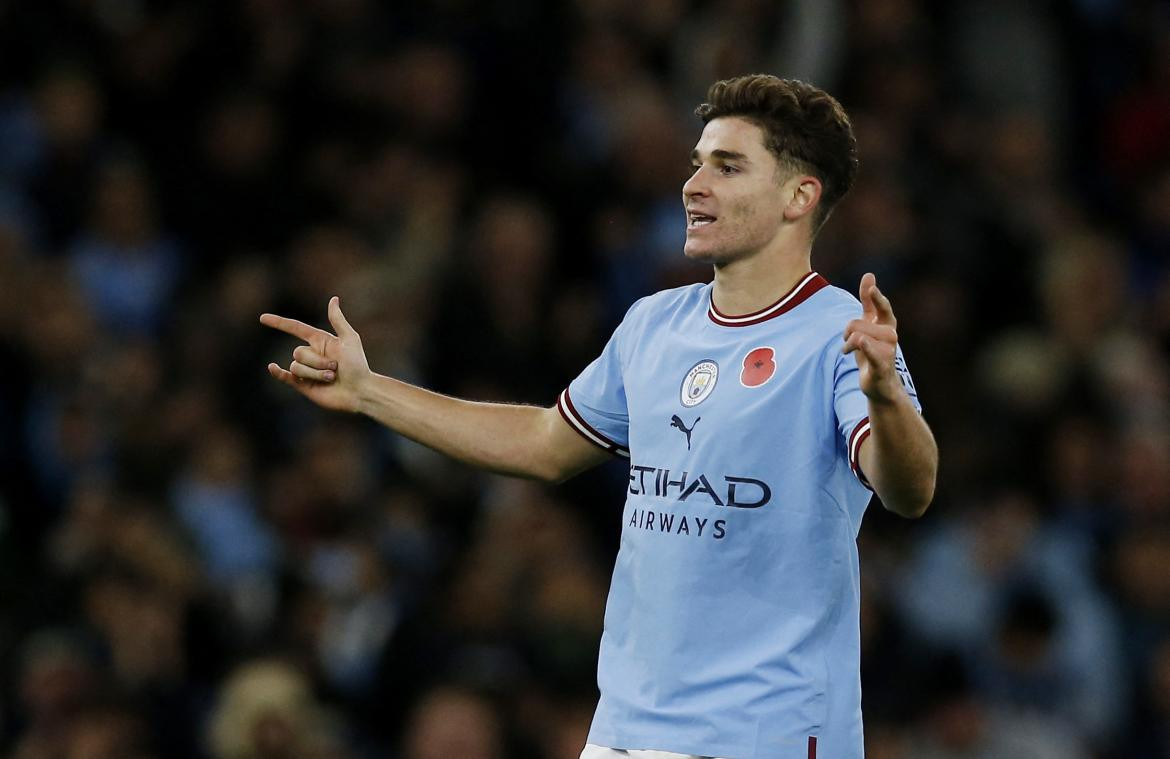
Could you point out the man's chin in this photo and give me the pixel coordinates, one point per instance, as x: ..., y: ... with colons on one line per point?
x: 703, y: 254
x: 697, y: 250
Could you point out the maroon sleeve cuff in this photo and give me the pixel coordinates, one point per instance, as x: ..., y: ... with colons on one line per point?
x: 584, y: 428
x: 860, y: 433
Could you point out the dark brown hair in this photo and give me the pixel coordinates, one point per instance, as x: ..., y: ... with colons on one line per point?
x: 804, y: 127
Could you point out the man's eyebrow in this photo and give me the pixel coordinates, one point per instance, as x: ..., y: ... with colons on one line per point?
x: 724, y: 155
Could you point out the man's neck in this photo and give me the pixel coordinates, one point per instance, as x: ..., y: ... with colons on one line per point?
x: 756, y: 282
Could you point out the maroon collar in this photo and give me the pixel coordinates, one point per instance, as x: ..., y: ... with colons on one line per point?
x: 800, y: 292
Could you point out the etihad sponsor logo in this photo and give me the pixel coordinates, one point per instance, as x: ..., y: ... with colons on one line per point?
x: 677, y: 524
x: 726, y: 490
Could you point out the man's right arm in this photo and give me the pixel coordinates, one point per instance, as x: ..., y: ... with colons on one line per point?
x: 524, y: 441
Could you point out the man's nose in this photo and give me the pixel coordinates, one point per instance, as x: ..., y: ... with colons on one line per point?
x: 696, y: 184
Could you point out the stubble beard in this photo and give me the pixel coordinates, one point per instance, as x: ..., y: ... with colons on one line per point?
x: 719, y: 253
x: 716, y: 257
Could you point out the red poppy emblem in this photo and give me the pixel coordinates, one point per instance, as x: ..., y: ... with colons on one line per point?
x: 758, y: 367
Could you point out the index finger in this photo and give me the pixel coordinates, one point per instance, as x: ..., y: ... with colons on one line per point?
x: 292, y: 327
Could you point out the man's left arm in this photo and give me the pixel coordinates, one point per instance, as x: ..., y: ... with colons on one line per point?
x: 899, y: 457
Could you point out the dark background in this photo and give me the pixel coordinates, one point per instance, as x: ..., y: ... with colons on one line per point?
x: 194, y: 562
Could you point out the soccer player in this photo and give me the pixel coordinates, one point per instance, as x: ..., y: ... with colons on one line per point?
x: 757, y: 412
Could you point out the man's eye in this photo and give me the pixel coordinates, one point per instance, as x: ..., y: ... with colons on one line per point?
x: 727, y: 170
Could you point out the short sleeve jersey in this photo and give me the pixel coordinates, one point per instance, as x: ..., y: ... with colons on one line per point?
x: 732, y: 623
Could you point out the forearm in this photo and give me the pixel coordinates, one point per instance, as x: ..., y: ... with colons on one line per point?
x: 525, y: 441
x: 900, y: 457
x: 502, y: 438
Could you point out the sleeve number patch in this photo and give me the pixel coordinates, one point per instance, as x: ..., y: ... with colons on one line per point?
x: 904, y: 375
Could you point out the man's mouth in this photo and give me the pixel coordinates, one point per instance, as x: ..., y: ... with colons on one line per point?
x: 696, y: 220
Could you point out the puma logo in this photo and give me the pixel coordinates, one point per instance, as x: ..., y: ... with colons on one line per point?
x: 678, y: 424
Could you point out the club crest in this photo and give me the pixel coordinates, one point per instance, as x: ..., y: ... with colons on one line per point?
x: 699, y: 383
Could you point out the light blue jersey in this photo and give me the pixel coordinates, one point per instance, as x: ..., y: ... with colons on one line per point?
x: 732, y: 625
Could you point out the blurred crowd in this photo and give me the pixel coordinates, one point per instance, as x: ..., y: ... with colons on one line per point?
x: 197, y: 564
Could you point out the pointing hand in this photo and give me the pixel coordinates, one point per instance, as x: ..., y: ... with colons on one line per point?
x: 329, y: 368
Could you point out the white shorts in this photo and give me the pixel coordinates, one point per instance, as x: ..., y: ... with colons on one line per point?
x: 600, y: 752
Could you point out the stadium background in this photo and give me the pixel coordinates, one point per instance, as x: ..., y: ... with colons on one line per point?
x: 194, y: 562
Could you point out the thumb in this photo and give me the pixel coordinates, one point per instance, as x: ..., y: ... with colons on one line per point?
x: 340, y: 324
x: 866, y: 294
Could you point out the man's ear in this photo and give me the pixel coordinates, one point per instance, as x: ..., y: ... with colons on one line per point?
x: 802, y: 192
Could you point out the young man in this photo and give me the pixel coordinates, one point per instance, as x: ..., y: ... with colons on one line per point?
x: 753, y: 432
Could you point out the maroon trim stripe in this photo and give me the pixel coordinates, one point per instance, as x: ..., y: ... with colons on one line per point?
x: 856, y: 438
x: 799, y: 293
x: 812, y: 747
x: 584, y: 428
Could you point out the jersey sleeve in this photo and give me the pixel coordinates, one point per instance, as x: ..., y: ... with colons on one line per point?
x: 594, y: 404
x: 852, y: 408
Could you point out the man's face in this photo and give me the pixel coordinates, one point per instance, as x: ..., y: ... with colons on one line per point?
x: 735, y: 197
